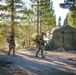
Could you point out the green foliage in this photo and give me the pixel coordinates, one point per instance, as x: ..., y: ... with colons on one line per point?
x: 2, y: 38
x: 59, y: 21
x: 66, y: 20
x: 47, y: 16
x: 72, y: 19
x: 25, y: 20
x: 73, y: 8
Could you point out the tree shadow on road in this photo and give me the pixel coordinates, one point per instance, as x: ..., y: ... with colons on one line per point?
x: 31, y: 65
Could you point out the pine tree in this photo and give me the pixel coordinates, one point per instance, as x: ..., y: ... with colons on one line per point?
x: 72, y: 18
x: 12, y: 14
x: 59, y: 21
x: 45, y: 14
x: 66, y: 20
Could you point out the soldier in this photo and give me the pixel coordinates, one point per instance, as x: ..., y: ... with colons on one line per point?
x: 11, y: 45
x: 40, y: 44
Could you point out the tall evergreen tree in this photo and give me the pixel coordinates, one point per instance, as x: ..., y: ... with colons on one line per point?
x: 59, y: 21
x: 45, y: 14
x: 13, y: 15
x: 72, y: 18
x: 66, y: 20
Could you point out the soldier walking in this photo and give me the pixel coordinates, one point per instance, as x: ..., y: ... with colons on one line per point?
x: 40, y: 44
x: 11, y: 45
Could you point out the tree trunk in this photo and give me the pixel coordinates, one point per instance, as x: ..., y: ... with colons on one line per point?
x: 37, y: 16
x: 12, y: 18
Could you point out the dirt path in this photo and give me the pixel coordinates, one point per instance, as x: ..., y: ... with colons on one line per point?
x: 55, y: 63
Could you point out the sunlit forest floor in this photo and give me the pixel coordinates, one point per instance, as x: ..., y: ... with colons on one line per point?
x: 25, y: 63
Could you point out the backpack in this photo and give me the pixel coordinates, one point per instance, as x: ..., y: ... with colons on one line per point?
x: 9, y: 39
x: 40, y: 40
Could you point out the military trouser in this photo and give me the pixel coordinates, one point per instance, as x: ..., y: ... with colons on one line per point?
x: 11, y: 48
x: 40, y: 48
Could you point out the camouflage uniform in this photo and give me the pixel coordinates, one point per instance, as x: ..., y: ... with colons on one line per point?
x: 40, y: 45
x: 11, y: 46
